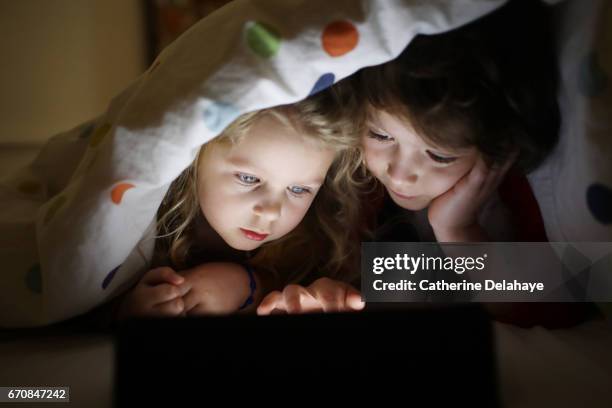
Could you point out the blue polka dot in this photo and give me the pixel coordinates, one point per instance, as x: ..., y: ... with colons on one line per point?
x: 325, y: 81
x: 599, y: 200
x: 218, y: 115
x: 593, y: 80
x: 33, y: 279
x: 109, y: 277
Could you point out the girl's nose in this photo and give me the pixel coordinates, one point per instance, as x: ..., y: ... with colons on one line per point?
x: 269, y: 210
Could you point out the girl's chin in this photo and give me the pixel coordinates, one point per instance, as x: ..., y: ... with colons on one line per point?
x: 243, y: 244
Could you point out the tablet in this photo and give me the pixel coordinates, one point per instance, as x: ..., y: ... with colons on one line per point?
x: 440, y: 355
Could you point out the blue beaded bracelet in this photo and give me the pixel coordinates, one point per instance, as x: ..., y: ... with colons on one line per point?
x: 252, y: 286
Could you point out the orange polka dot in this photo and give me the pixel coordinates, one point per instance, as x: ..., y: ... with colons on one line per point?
x: 339, y: 38
x: 118, y: 191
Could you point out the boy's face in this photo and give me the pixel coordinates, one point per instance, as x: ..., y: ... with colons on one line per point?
x: 413, y: 171
x: 259, y: 189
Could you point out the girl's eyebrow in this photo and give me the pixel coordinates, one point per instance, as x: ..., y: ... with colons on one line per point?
x: 242, y: 162
x: 245, y: 162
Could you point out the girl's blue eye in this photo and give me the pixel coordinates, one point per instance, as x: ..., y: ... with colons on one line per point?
x: 299, y: 190
x: 440, y: 159
x: 378, y: 136
x: 247, y: 178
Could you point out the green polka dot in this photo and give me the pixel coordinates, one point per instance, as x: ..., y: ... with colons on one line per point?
x: 99, y: 135
x: 33, y: 279
x: 55, y: 206
x: 29, y: 187
x: 262, y: 39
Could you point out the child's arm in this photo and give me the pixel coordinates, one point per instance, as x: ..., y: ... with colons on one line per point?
x: 323, y: 295
x: 454, y: 214
x: 159, y: 293
x: 219, y: 287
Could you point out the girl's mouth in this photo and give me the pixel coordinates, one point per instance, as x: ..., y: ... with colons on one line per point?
x: 253, y: 235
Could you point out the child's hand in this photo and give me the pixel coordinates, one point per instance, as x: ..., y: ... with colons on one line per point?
x: 323, y: 295
x: 216, y: 287
x: 454, y: 214
x: 159, y: 293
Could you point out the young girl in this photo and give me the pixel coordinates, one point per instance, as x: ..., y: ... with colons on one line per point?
x: 266, y: 203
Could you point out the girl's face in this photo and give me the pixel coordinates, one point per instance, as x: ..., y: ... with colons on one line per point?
x: 413, y: 171
x: 259, y: 189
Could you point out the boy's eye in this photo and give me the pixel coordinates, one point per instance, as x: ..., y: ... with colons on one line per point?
x: 247, y: 178
x: 440, y: 159
x: 379, y: 136
x: 299, y: 190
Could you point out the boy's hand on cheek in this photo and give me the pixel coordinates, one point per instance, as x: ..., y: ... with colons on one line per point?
x: 158, y: 294
x: 323, y: 295
x: 454, y: 214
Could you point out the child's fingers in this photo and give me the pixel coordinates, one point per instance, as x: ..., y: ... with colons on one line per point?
x: 330, y: 299
x: 163, y: 293
x: 353, y: 299
x: 184, y: 288
x: 174, y: 307
x: 478, y: 174
x: 292, y: 295
x: 470, y: 184
x: 193, y: 299
x: 162, y: 275
x: 497, y: 173
x: 272, y: 301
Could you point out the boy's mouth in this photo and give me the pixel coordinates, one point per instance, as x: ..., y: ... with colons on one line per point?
x: 402, y: 196
x: 255, y: 236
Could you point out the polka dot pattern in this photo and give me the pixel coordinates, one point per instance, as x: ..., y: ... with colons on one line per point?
x: 33, y: 279
x: 56, y: 204
x: 118, y: 191
x: 339, y: 38
x: 109, y: 278
x: 99, y: 135
x: 324, y: 81
x: 218, y: 115
x: 599, y: 201
x: 262, y: 39
x: 593, y: 80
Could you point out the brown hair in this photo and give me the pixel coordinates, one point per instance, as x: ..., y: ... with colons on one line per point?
x: 490, y: 84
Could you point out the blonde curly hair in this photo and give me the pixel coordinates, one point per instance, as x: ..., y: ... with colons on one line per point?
x: 327, y: 241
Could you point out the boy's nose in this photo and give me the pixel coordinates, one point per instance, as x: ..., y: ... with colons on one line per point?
x: 401, y: 175
x: 269, y: 210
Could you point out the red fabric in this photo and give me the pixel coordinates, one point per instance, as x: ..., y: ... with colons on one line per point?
x: 516, y: 193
